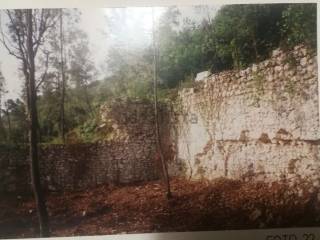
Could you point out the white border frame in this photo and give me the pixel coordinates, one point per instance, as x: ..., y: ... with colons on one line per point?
x: 9, y: 4
x: 266, y: 234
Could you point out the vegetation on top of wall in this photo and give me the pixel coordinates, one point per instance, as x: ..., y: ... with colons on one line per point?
x: 236, y: 37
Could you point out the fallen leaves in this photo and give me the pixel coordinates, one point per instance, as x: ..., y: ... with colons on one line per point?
x: 218, y: 205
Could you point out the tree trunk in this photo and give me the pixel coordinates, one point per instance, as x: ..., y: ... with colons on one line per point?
x: 2, y: 128
x: 9, y: 124
x: 87, y: 98
x: 62, y: 123
x: 158, y: 139
x: 33, y: 127
x: 254, y: 44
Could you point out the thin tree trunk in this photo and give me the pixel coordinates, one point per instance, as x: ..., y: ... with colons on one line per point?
x: 62, y: 123
x: 87, y: 98
x: 9, y: 125
x: 158, y: 140
x: 33, y: 127
x: 2, y: 128
x: 254, y: 44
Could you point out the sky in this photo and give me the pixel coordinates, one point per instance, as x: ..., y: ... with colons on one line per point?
x: 134, y: 30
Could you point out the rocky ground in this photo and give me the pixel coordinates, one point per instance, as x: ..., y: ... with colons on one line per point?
x: 219, y: 205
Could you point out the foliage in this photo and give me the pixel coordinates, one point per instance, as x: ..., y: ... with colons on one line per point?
x: 237, y: 36
x: 79, y: 71
x: 131, y: 73
x: 299, y: 25
x: 232, y: 38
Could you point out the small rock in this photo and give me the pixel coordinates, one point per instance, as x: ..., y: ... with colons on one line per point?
x: 311, y: 190
x: 297, y: 47
x: 242, y: 73
x: 286, y: 67
x: 304, y: 51
x: 303, y: 61
x: 254, y: 68
x: 316, y: 183
x: 269, y: 78
x: 278, y: 68
x: 311, y: 68
x: 276, y: 52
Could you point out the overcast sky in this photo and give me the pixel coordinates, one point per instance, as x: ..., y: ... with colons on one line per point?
x: 136, y: 28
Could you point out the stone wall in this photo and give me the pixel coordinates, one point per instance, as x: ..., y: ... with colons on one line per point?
x: 258, y: 123
x: 261, y: 122
x: 127, y: 155
x: 14, y: 170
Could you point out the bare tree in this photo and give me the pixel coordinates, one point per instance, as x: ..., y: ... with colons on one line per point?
x: 27, y: 30
x: 158, y: 137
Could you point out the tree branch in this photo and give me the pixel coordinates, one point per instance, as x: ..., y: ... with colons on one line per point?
x: 20, y: 34
x: 44, y: 75
x: 5, y: 44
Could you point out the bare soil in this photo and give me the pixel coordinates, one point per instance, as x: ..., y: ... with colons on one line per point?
x: 195, y: 206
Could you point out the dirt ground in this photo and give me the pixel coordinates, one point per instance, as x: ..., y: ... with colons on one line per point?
x: 196, y: 205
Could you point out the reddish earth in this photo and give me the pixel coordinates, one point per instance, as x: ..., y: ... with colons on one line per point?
x: 219, y: 205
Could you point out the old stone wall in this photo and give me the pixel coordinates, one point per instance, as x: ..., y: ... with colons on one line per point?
x: 14, y: 171
x: 127, y: 155
x: 261, y: 122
